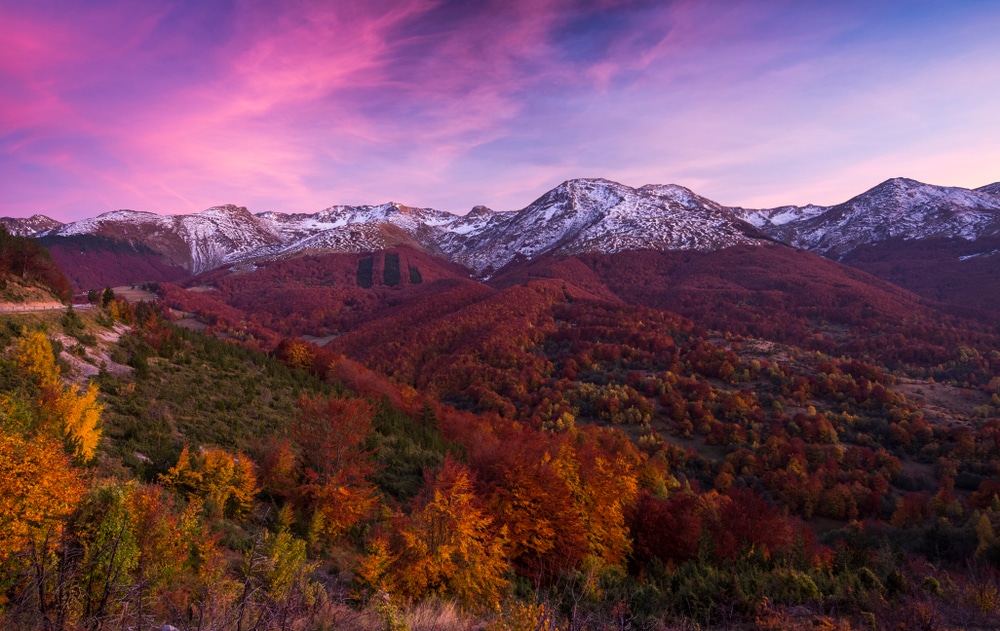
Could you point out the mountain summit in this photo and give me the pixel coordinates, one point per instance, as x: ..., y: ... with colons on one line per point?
x: 597, y: 215
x: 898, y: 208
x: 580, y: 215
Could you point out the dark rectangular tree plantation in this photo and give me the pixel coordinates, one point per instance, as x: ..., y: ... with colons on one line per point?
x: 365, y: 272
x: 390, y: 273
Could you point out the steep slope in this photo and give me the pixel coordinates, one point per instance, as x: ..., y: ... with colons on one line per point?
x: 788, y: 295
x: 28, y: 273
x: 352, y: 238
x: 199, y: 242
x: 774, y: 220
x: 591, y: 215
x: 898, y: 208
x: 992, y: 189
x: 963, y: 274
x: 571, y: 270
x: 327, y: 228
x: 93, y: 262
x: 319, y: 294
x: 32, y: 226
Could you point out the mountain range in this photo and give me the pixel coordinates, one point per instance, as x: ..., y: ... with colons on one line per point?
x: 577, y: 217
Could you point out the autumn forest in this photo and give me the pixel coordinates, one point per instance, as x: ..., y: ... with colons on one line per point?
x: 756, y: 438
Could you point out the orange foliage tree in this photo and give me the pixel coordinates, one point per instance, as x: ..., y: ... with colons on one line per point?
x: 546, y: 531
x: 448, y: 545
x: 39, y: 489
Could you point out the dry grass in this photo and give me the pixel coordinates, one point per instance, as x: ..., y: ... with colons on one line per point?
x: 381, y: 615
x: 437, y: 616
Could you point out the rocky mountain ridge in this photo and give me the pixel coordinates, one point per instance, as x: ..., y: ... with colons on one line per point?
x: 583, y: 215
x: 898, y: 208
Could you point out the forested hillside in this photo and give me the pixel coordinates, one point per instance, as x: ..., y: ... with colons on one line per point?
x: 25, y: 264
x: 95, y: 262
x: 544, y: 451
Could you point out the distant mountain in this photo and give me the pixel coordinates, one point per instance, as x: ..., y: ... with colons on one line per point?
x: 597, y: 215
x: 992, y: 189
x: 29, y: 226
x: 578, y: 216
x: 199, y: 242
x: 93, y: 262
x: 898, y: 208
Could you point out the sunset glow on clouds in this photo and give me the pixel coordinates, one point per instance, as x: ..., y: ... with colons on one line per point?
x: 294, y: 106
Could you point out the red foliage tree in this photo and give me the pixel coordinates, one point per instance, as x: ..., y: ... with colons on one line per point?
x: 668, y: 530
x: 742, y: 521
x: 335, y: 466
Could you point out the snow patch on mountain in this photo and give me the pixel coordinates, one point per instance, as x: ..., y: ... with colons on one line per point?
x: 599, y: 215
x: 33, y: 226
x: 899, y: 208
x: 978, y: 254
x: 770, y: 218
x: 578, y: 216
x: 358, y: 237
x: 992, y: 189
x: 217, y: 236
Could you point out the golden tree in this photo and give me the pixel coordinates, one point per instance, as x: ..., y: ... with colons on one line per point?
x: 227, y: 483
x: 64, y: 410
x: 39, y: 489
x: 449, y: 545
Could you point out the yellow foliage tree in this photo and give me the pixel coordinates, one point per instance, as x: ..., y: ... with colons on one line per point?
x: 65, y: 410
x: 298, y: 354
x: 337, y: 507
x: 602, y: 488
x: 33, y: 354
x: 78, y: 415
x: 226, y: 483
x: 984, y: 535
x: 374, y: 570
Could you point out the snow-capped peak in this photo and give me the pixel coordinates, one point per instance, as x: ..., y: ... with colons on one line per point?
x: 900, y: 208
x: 600, y: 215
x: 33, y: 226
x: 579, y: 215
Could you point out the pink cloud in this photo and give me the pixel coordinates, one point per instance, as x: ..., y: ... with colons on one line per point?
x: 176, y: 106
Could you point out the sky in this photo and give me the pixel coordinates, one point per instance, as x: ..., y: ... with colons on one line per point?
x: 295, y: 105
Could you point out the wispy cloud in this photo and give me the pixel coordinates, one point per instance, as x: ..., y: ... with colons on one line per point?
x: 175, y: 106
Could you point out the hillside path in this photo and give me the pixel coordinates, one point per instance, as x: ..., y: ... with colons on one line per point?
x: 49, y: 306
